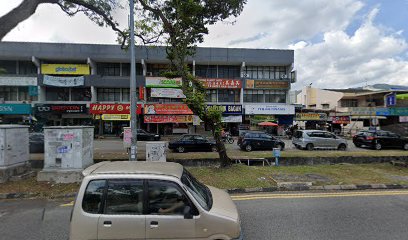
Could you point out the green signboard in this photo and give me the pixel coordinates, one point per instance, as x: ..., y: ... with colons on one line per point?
x: 9, y: 109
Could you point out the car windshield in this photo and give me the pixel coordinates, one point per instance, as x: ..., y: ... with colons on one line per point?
x: 199, y: 191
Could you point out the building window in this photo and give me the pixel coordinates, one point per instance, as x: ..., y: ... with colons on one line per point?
x: 126, y: 94
x: 108, y: 94
x: 108, y: 69
x: 8, y: 67
x: 325, y: 106
x: 275, y: 96
x: 26, y: 68
x: 81, y: 94
x: 228, y: 71
x: 56, y: 94
x: 8, y: 93
x: 205, y: 71
x: 264, y: 72
x: 349, y: 103
x: 211, y: 95
x: 228, y: 95
x: 126, y: 69
x: 156, y: 70
x: 253, y: 96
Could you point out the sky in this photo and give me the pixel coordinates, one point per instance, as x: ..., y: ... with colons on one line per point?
x: 337, y: 43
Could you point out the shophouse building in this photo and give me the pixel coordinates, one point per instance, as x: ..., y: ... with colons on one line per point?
x: 77, y: 84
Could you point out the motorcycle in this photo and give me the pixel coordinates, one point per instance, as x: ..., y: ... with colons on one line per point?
x: 228, y: 138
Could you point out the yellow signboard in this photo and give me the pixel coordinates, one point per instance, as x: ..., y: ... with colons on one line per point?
x: 65, y: 69
x: 116, y: 117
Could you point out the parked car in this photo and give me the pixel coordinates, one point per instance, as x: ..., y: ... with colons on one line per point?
x: 143, y: 135
x: 192, y: 142
x: 150, y: 200
x: 260, y: 141
x: 379, y: 140
x: 36, y: 141
x: 316, y: 139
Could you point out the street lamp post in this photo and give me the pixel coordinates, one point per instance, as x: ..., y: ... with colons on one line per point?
x: 133, y: 95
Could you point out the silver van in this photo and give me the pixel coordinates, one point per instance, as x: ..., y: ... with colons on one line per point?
x: 150, y: 200
x: 316, y: 139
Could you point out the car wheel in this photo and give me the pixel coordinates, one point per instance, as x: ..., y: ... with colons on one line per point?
x: 342, y: 147
x: 230, y: 140
x: 248, y: 148
x: 357, y: 144
x: 180, y: 149
x: 279, y: 146
x: 406, y: 146
x: 309, y: 147
x: 214, y: 149
x: 378, y: 146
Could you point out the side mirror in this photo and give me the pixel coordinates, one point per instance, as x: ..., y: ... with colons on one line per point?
x: 187, y: 213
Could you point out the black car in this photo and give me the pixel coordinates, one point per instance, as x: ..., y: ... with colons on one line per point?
x: 379, y: 140
x: 143, y: 135
x: 260, y: 141
x: 36, y: 141
x: 192, y: 142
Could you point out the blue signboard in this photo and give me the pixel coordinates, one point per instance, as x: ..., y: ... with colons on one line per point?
x: 382, y: 112
x: 228, y: 109
x: 33, y: 91
x: 15, y: 109
x: 391, y: 100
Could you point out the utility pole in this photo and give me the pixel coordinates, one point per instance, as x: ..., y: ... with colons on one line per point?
x: 133, y: 94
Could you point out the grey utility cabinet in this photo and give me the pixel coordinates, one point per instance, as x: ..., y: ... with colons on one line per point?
x: 14, y: 145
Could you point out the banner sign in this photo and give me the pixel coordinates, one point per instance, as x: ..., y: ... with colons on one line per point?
x: 217, y: 83
x: 167, y: 109
x: 311, y: 117
x: 65, y: 69
x: 227, y: 109
x: 116, y: 117
x: 60, y: 108
x: 167, y: 93
x: 265, y: 84
x: 269, y: 109
x: 107, y: 108
x: 341, y: 120
x: 11, y: 109
x: 161, y: 82
x: 232, y: 119
x: 362, y: 111
x: 141, y: 93
x: 403, y: 119
x: 63, y: 81
x: 168, y: 118
x: 18, y: 81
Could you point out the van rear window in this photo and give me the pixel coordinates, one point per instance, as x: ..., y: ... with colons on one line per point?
x: 93, y: 196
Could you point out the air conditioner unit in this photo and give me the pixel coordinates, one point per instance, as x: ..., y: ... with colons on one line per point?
x: 149, y: 74
x: 283, y: 76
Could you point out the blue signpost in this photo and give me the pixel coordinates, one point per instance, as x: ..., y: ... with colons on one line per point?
x: 391, y: 100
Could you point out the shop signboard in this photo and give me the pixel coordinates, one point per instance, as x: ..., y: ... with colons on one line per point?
x: 63, y: 81
x: 219, y: 83
x: 266, y: 84
x: 232, y: 119
x: 32, y: 91
x: 18, y: 81
x: 168, y: 118
x: 60, y: 108
x: 392, y: 111
x: 269, y: 109
x: 167, y: 109
x: 13, y: 109
x: 65, y: 69
x: 227, y: 109
x: 116, y: 117
x: 403, y: 119
x: 161, y: 82
x: 167, y: 93
x: 362, y: 111
x: 341, y: 120
x: 112, y: 108
x: 311, y: 117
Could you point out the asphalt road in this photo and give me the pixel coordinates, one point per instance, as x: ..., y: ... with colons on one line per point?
x: 325, y: 216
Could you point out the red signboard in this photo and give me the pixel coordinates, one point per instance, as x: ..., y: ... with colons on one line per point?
x: 221, y: 83
x: 168, y: 118
x: 107, y: 108
x: 141, y: 93
x: 341, y: 120
x: 167, y: 109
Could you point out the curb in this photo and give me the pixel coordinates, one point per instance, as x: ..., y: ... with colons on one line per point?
x: 286, y: 188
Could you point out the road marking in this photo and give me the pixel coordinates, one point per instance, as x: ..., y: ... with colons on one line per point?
x: 70, y: 204
x: 317, y: 195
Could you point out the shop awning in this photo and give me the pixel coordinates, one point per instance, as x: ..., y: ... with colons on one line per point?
x: 267, y: 124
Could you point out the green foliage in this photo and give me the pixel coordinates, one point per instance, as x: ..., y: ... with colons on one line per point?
x: 3, y: 71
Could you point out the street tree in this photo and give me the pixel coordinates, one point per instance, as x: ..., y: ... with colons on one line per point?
x: 180, y: 25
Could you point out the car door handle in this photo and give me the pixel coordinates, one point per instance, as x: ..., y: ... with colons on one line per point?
x: 107, y: 223
x: 154, y: 224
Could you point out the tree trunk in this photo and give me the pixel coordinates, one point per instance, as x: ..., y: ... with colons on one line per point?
x: 222, y: 152
x: 19, y: 14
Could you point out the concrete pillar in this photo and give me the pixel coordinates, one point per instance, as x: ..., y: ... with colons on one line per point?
x: 92, y: 64
x: 41, y: 94
x: 37, y: 63
x: 193, y: 67
x: 144, y: 66
x: 94, y: 94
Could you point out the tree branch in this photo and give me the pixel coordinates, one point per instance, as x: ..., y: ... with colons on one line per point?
x: 167, y: 25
